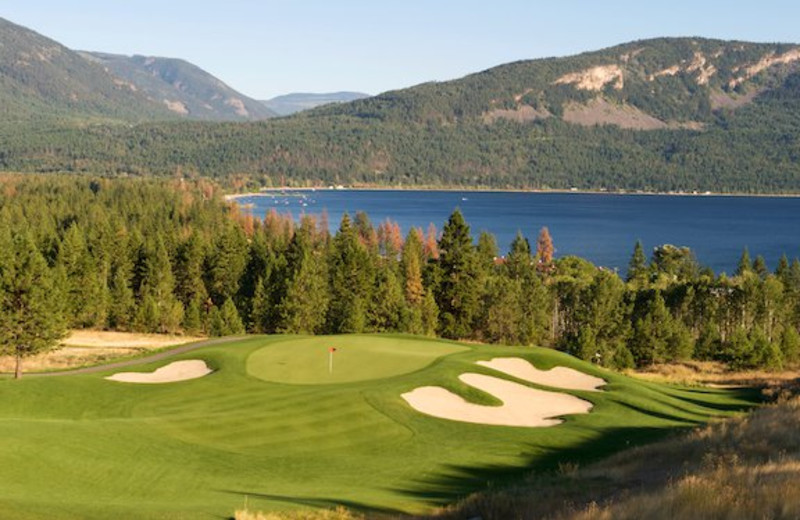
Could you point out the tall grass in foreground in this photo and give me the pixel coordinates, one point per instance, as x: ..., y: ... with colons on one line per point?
x: 742, y: 468
x: 339, y: 513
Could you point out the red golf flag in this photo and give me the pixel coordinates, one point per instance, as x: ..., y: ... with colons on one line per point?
x: 332, y: 349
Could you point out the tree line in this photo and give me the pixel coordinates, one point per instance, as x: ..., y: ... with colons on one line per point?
x: 174, y: 256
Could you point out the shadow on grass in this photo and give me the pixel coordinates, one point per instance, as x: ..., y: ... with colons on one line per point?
x: 749, y: 398
x: 316, y: 502
x: 454, y: 481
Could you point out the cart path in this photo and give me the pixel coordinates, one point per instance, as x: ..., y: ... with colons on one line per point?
x: 138, y: 361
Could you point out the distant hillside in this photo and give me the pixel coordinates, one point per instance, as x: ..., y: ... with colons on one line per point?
x: 42, y: 79
x: 644, y: 85
x: 182, y: 87
x: 670, y: 114
x: 297, y: 102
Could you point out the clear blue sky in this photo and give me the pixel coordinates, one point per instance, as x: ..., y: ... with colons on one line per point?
x: 269, y: 47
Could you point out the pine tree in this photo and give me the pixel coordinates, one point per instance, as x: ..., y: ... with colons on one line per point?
x: 85, y: 302
x: 388, y: 306
x: 231, y: 320
x: 306, y: 297
x: 637, y: 268
x: 760, y: 267
x: 519, y: 260
x: 430, y: 314
x: 351, y: 280
x: 745, y: 265
x: 193, y: 318
x: 160, y: 310
x: 782, y: 270
x: 458, y: 293
x: 32, y: 320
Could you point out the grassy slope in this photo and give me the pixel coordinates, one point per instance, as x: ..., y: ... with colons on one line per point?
x: 80, y: 446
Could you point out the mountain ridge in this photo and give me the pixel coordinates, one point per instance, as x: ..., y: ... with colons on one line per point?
x: 184, y: 88
x: 664, y: 114
x: 41, y: 80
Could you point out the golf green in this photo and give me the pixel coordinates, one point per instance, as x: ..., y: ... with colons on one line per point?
x: 342, y: 359
x: 263, y: 430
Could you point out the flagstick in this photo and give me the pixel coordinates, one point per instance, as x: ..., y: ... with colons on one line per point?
x: 330, y: 362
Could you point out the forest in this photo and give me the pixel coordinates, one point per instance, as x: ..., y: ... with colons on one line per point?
x: 172, y: 255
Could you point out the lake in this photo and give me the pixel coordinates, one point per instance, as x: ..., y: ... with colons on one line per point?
x: 602, y: 228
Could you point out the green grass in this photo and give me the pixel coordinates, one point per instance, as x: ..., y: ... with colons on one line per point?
x: 84, y: 447
x: 357, y: 358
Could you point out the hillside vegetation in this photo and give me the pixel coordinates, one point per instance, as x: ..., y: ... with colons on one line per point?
x: 678, y: 114
x: 43, y: 83
x: 173, y: 256
x: 182, y: 87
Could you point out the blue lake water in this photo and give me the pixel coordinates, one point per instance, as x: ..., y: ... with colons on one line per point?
x: 602, y: 228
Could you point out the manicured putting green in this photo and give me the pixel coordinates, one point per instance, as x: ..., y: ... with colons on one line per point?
x: 307, y: 361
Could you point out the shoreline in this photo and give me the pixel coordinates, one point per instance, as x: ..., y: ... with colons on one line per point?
x: 271, y: 191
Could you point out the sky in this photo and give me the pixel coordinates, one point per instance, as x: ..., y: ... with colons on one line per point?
x: 265, y: 48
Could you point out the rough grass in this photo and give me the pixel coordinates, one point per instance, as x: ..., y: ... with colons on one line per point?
x: 701, y: 373
x: 91, y: 347
x: 339, y: 513
x: 742, y: 468
x: 82, y: 447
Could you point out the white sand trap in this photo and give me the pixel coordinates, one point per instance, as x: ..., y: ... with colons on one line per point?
x: 558, y: 377
x: 176, y: 371
x: 522, y: 406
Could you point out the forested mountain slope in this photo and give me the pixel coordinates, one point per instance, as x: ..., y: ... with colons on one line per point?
x: 182, y: 87
x: 672, y: 114
x: 41, y: 79
x: 44, y: 81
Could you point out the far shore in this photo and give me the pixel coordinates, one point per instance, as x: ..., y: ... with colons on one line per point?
x: 272, y: 191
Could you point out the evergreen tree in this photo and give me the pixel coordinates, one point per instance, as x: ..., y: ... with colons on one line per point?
x: 160, y: 310
x: 231, y: 320
x: 305, y: 300
x: 85, y: 304
x: 226, y: 263
x: 388, y: 309
x: 193, y: 318
x: 429, y: 314
x: 519, y: 260
x: 782, y: 270
x: 760, y: 267
x: 745, y: 265
x: 457, y: 295
x: 31, y: 319
x: 637, y: 268
x: 351, y: 280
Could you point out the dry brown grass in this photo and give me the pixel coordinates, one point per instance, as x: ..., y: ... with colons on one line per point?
x: 743, y: 468
x: 339, y: 513
x: 91, y: 347
x: 712, y: 373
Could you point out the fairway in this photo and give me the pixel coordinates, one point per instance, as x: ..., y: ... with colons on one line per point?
x: 308, y: 361
x: 270, y: 426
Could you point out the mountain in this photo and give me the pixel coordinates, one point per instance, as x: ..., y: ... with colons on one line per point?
x: 42, y: 79
x: 667, y: 114
x: 297, y: 102
x: 644, y: 85
x: 182, y: 87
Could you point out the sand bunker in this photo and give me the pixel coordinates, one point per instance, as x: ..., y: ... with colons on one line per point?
x: 176, y: 371
x: 558, y: 377
x: 522, y: 406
